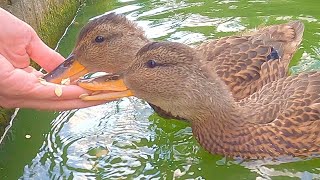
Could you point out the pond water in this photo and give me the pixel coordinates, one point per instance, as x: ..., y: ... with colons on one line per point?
x: 125, y: 139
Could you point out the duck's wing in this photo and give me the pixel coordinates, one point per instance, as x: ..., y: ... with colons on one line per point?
x: 248, y: 62
x: 284, y: 117
x: 293, y: 99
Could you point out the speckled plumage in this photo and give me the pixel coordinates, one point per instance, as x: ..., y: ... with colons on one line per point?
x: 244, y: 62
x: 280, y: 119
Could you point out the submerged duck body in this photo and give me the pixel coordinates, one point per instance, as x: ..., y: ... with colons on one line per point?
x: 286, y: 118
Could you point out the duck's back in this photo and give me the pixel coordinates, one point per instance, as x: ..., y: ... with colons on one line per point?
x: 248, y: 62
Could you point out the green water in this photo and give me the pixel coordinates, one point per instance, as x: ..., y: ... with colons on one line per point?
x: 124, y: 139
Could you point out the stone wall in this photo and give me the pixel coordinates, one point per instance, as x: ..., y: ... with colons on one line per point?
x: 48, y: 17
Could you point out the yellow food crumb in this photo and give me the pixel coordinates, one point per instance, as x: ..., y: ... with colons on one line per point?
x: 65, y: 81
x: 43, y: 81
x: 58, y: 91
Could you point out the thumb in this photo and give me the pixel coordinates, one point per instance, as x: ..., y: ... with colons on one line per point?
x: 42, y: 54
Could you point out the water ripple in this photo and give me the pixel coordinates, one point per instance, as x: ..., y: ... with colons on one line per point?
x: 120, y: 139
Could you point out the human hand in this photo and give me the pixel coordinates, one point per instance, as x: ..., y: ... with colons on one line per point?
x: 19, y: 82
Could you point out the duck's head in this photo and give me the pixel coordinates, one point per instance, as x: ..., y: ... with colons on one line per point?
x: 166, y: 74
x: 161, y: 71
x: 107, y: 44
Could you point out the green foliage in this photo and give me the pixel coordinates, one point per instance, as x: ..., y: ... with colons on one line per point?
x: 54, y: 23
x: 5, y: 115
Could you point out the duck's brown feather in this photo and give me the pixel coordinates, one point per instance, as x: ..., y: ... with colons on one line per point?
x: 245, y: 63
x: 281, y: 119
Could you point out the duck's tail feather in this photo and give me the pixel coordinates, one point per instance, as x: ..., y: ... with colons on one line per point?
x: 284, y: 38
x: 293, y: 42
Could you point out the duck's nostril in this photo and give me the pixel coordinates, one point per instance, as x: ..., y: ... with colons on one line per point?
x: 70, y: 68
x: 68, y: 61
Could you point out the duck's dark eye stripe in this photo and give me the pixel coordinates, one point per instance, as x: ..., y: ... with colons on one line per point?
x: 99, y: 39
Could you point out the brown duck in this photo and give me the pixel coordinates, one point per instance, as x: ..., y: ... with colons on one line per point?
x: 110, y: 42
x: 281, y: 119
x: 245, y: 63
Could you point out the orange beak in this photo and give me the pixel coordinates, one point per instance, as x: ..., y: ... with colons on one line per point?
x: 110, y: 87
x: 70, y: 68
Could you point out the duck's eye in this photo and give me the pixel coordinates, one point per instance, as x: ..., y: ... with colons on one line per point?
x: 151, y: 63
x: 99, y: 39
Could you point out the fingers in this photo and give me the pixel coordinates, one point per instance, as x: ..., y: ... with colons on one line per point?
x: 44, y: 97
x: 31, y: 87
x: 52, y: 91
x: 48, y: 104
x: 58, y: 105
x: 42, y: 54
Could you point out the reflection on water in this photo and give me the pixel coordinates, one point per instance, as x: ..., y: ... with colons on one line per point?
x: 77, y: 139
x: 115, y: 139
x: 121, y: 140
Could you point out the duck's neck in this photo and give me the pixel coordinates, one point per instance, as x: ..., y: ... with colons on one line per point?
x: 216, y: 122
x: 219, y: 108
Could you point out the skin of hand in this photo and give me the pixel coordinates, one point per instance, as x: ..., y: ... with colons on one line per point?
x: 19, y: 82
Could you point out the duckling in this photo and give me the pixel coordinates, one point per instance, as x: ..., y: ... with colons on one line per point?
x: 171, y: 76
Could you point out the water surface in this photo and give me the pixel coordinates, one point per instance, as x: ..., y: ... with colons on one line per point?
x: 125, y: 139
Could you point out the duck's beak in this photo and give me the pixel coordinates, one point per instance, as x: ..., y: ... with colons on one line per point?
x: 108, y: 87
x: 70, y: 68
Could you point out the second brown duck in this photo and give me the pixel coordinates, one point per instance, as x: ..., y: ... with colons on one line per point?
x: 281, y: 119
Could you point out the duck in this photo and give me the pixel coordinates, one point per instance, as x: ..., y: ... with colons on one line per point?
x: 244, y: 62
x: 171, y: 76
